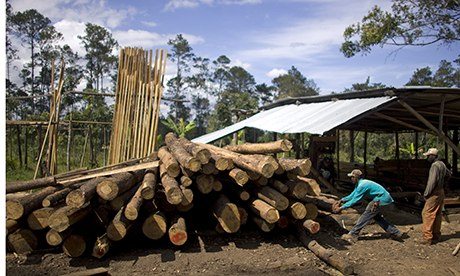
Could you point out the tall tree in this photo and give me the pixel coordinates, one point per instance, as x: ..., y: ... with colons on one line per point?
x: 11, y: 52
x: 421, y: 76
x: 182, y: 55
x: 294, y: 84
x: 447, y: 75
x: 265, y: 93
x: 410, y: 23
x: 367, y: 85
x: 221, y: 73
x: 99, y: 45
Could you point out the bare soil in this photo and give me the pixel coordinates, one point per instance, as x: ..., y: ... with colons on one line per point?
x: 250, y: 252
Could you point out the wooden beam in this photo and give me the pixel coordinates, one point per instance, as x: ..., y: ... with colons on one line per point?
x: 397, y: 121
x: 35, y: 123
x: 430, y: 126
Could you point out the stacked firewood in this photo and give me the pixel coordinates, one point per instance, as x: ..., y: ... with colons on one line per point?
x: 231, y: 187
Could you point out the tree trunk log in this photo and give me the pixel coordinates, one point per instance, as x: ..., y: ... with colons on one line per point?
x: 280, y: 186
x: 217, y: 185
x: 243, y: 215
x: 313, y: 187
x: 178, y: 231
x: 263, y: 224
x: 115, y: 185
x: 297, y: 210
x: 312, y: 211
x: 204, y: 183
x: 11, y: 226
x: 297, y: 166
x: 297, y: 189
x: 66, y: 216
x: 273, y: 197
x: 119, y: 226
x: 185, y: 181
x: 239, y: 176
x: 172, y: 190
x: 15, y: 209
x: 39, y: 219
x: 74, y: 246
x: 117, y: 203
x: 198, y: 152
x: 132, y: 208
x: 227, y: 214
x: 18, y: 186
x: 221, y: 163
x: 155, y: 226
x: 262, y: 148
x: 208, y: 168
x: 148, y: 185
x: 312, y: 226
x: 264, y: 210
x: 79, y: 197
x: 101, y: 247
x: 184, y: 158
x: 23, y: 241
x: 55, y: 238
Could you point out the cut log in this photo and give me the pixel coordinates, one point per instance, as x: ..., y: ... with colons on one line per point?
x: 261, y: 181
x: 184, y: 158
x: 280, y: 186
x: 38, y: 219
x: 56, y: 198
x: 178, y: 231
x: 221, y: 163
x: 168, y: 161
x: 323, y: 181
x: 263, y: 224
x: 79, y: 197
x: 115, y: 185
x: 187, y: 196
x: 198, y: 152
x: 298, y: 166
x: 148, y: 184
x: 66, y: 216
x: 253, y: 176
x: 312, y: 186
x: 162, y: 203
x: 133, y: 206
x: 155, y: 226
x: 16, y: 196
x: 227, y: 214
x: 264, y: 210
x: 23, y: 241
x: 312, y: 226
x: 217, y: 185
x: 15, y: 209
x: 322, y: 253
x: 11, y: 226
x: 321, y: 202
x: 204, y: 183
x: 312, y: 211
x: 119, y: 226
x: 297, y: 189
x: 171, y: 189
x: 101, y: 247
x: 55, y: 238
x: 243, y: 161
x: 280, y: 170
x: 208, y: 168
x: 297, y: 210
x: 74, y: 246
x: 13, y: 187
x: 239, y: 176
x: 262, y: 148
x: 273, y: 197
x: 184, y: 208
x: 243, y: 215
x: 117, y: 203
x: 185, y: 181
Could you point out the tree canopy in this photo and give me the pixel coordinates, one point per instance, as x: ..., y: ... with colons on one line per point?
x: 409, y: 23
x: 294, y: 84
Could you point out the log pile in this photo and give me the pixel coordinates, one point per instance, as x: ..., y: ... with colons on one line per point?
x: 164, y: 199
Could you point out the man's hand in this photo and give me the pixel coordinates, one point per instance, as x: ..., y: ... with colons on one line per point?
x: 375, y: 205
x: 336, y: 207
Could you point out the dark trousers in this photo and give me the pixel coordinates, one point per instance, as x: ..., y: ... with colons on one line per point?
x: 376, y: 214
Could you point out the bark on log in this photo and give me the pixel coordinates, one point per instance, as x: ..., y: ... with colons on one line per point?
x: 11, y: 226
x: 185, y: 181
x: 184, y: 208
x: 74, y: 246
x: 66, y: 216
x: 297, y: 189
x: 280, y: 186
x: 264, y: 210
x: 187, y: 196
x: 15, y: 209
x: 240, y: 176
x: 56, y: 198
x: 16, y: 196
x: 148, y: 185
x: 133, y: 206
x: 297, y: 210
x: 204, y: 183
x: 117, y: 203
x: 172, y: 190
x: 321, y: 202
x: 101, y: 247
x: 55, y: 238
x: 198, y: 152
x: 115, y: 185
x: 38, y: 219
x: 170, y: 164
x: 227, y: 214
x: 262, y: 148
x: 184, y: 158
x: 119, y: 226
x: 155, y: 226
x: 323, y: 180
x: 178, y: 231
x: 273, y: 197
x: 261, y: 181
x: 298, y: 166
x: 243, y: 215
x: 18, y: 186
x: 79, y: 197
x: 312, y: 226
x: 221, y: 163
x: 322, y: 253
x: 23, y: 241
x: 313, y: 187
x: 263, y: 224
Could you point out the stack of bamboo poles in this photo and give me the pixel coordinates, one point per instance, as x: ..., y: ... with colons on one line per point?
x: 191, y: 185
x: 53, y: 124
x: 137, y: 104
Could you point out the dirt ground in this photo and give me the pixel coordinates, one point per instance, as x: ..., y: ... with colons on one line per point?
x: 250, y: 252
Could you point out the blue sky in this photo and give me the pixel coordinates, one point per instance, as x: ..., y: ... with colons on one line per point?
x: 266, y: 37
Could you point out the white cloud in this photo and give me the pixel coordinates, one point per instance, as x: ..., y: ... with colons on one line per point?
x: 146, y: 39
x: 240, y: 63
x: 149, y: 23
x: 184, y: 4
x: 276, y: 73
x: 70, y: 31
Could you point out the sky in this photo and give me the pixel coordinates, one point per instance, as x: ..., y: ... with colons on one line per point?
x: 266, y: 37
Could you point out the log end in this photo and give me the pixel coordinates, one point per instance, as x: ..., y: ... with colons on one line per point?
x: 177, y: 237
x: 116, y: 231
x: 194, y: 164
x: 298, y: 210
x: 74, y: 246
x: 154, y: 226
x: 23, y: 241
x: 107, y: 190
x: 75, y: 198
x: 14, y: 209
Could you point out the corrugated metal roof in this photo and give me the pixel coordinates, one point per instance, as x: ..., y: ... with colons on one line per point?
x: 314, y: 118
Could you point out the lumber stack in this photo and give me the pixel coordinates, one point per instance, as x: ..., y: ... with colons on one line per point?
x: 190, y: 183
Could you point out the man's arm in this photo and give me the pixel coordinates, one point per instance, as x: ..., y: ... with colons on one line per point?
x: 432, y: 180
x: 357, y: 196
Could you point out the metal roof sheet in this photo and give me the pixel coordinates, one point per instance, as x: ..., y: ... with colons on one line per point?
x: 314, y: 118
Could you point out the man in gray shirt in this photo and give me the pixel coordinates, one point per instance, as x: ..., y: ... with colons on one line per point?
x: 434, y: 196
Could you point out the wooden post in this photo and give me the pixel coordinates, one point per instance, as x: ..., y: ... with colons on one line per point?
x: 352, y: 146
x: 365, y: 153
x: 416, y: 145
x: 454, y: 153
x: 18, y: 128
x: 337, y: 146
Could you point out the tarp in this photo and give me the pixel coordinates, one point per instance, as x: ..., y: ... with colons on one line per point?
x: 314, y: 118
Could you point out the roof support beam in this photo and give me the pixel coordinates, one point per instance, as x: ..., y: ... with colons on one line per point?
x: 399, y: 122
x: 441, y: 134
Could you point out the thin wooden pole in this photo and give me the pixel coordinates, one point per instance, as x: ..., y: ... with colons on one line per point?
x: 365, y: 153
x: 337, y: 133
x: 84, y: 149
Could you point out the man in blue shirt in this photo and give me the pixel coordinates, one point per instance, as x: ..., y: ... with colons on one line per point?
x: 379, y: 199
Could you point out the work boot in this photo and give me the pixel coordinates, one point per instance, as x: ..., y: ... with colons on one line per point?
x: 426, y: 242
x: 398, y: 237
x: 349, y: 238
